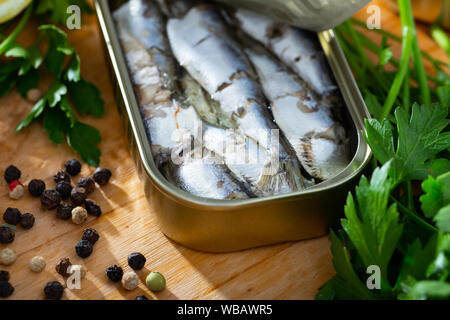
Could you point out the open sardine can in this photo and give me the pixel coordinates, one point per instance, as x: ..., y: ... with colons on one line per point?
x: 231, y: 225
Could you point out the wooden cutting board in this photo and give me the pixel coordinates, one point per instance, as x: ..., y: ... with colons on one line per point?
x: 285, y: 271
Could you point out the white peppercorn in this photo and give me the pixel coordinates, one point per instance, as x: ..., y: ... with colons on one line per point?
x: 37, y: 264
x: 130, y: 280
x: 7, y: 256
x: 79, y: 215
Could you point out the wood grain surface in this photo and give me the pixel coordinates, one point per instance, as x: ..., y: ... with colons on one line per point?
x: 285, y: 271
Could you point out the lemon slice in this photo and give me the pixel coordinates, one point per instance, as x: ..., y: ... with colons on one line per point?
x: 11, y: 8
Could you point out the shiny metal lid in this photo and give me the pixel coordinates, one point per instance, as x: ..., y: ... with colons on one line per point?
x: 315, y: 15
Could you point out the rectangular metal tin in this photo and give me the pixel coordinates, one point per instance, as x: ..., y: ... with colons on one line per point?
x: 221, y: 225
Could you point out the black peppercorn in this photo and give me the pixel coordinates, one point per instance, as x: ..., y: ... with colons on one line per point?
x: 6, y: 289
x: 50, y: 199
x: 64, y: 188
x: 61, y: 176
x: 141, y: 298
x: 62, y: 266
x: 102, y: 176
x: 6, y: 235
x: 64, y: 211
x: 73, y: 167
x: 12, y: 173
x: 114, y: 273
x: 87, y: 184
x: 93, y: 208
x: 136, y: 260
x: 53, y: 290
x: 84, y: 248
x: 4, y: 275
x: 90, y: 235
x: 78, y: 196
x: 27, y: 221
x: 12, y: 216
x: 36, y: 187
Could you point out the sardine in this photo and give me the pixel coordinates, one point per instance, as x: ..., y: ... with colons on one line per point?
x: 299, y: 49
x: 252, y: 164
x: 202, y: 45
x: 307, y: 122
x: 170, y: 124
x: 205, y: 177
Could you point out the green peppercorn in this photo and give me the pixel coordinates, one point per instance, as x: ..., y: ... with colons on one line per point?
x: 155, y: 281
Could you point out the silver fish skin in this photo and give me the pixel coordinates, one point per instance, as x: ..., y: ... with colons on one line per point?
x: 144, y: 21
x: 251, y: 163
x: 299, y: 49
x: 207, y: 178
x: 201, y: 44
x: 318, y: 140
x: 165, y: 119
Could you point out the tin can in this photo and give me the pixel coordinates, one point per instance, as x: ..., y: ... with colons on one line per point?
x: 223, y: 225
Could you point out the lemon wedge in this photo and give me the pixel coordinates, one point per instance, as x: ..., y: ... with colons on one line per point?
x: 11, y: 8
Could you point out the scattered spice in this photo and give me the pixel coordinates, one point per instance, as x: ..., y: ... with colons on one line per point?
x: 155, y: 281
x: 37, y: 264
x: 78, y: 196
x: 130, y: 280
x: 6, y: 235
x: 141, y: 298
x: 114, y: 273
x: 64, y: 188
x: 12, y: 173
x: 81, y: 270
x: 50, y: 199
x: 87, y: 184
x: 73, y: 167
x: 79, y: 215
x: 93, y: 208
x: 61, y: 176
x: 64, y: 211
x: 62, y: 267
x: 90, y: 235
x: 36, y: 187
x: 16, y: 190
x: 6, y: 289
x: 84, y: 249
x: 7, y: 257
x: 27, y: 221
x: 102, y: 176
x: 136, y: 260
x: 12, y: 216
x: 53, y: 290
x: 4, y: 275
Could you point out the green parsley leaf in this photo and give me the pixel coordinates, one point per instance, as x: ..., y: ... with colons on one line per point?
x: 419, y: 140
x: 385, y: 56
x: 372, y: 226
x: 55, y: 93
x: 426, y: 289
x: 59, y: 47
x: 29, y: 81
x: 56, y: 124
x: 437, y: 194
x: 72, y: 73
x: 35, y: 112
x: 86, y: 98
x: 83, y: 139
x: 442, y: 219
x: 346, y: 284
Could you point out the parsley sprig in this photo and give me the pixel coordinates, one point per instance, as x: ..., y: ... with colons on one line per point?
x: 388, y: 222
x: 68, y: 92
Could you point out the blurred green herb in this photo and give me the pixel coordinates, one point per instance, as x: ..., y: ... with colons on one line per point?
x: 23, y: 68
x: 405, y: 233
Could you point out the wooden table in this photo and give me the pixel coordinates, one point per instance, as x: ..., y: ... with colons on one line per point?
x: 285, y: 271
